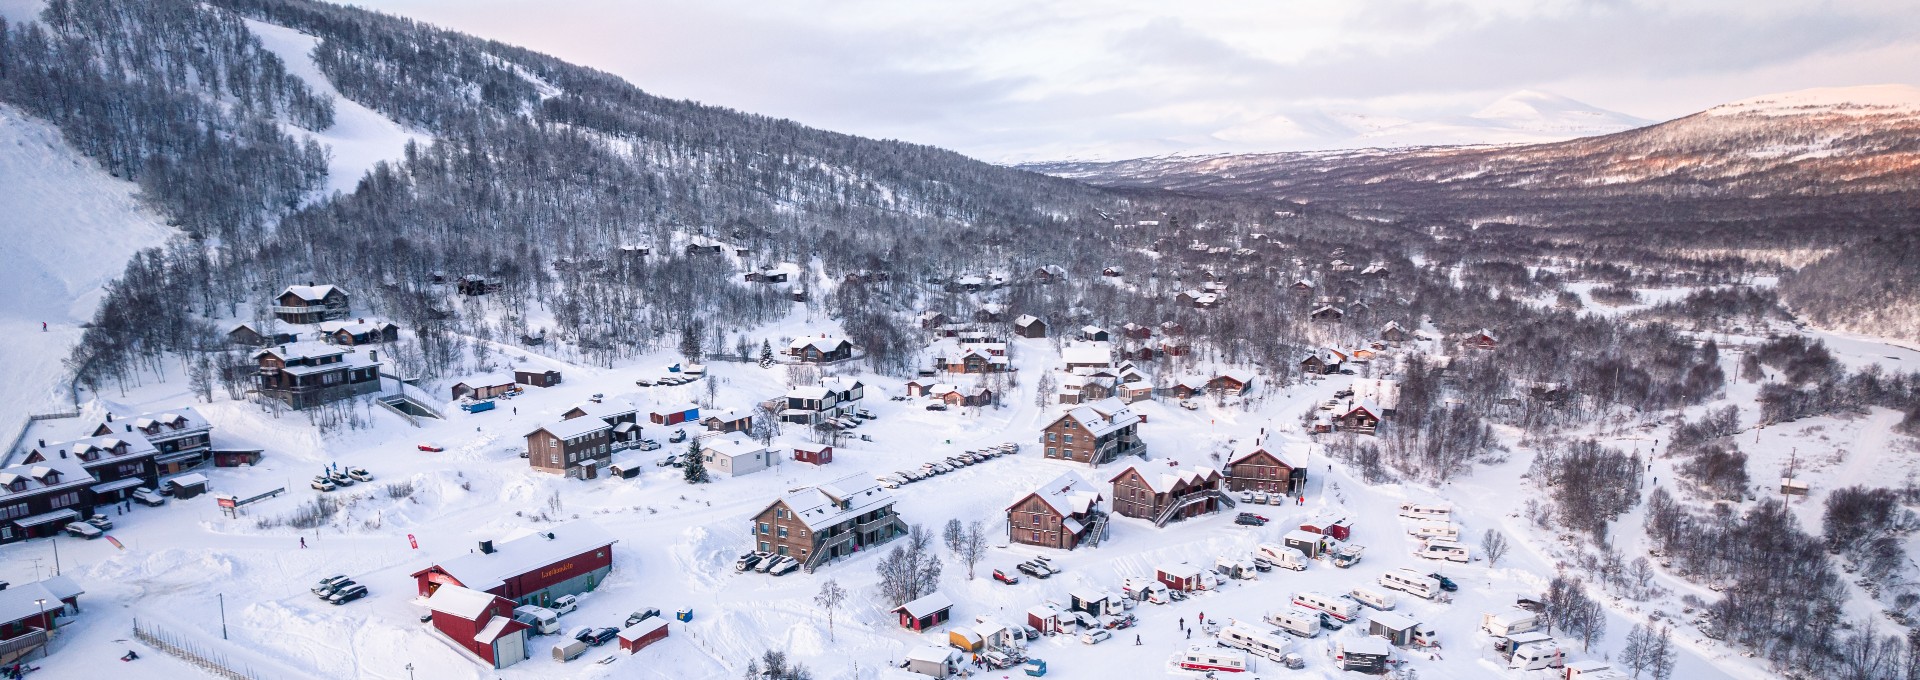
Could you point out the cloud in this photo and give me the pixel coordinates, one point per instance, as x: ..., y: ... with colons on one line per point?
x: 1009, y: 80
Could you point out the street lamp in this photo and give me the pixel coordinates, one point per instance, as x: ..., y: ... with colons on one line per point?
x: 41, y: 602
x: 409, y: 670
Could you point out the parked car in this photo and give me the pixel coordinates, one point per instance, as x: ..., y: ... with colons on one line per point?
x: 1030, y: 570
x: 1249, y: 521
x: 768, y: 562
x: 1189, y: 404
x: 669, y: 461
x: 1446, y: 584
x: 942, y: 468
x: 677, y: 436
x: 348, y: 594
x: 784, y: 567
x: 936, y: 407
x: 83, y: 530
x: 746, y: 561
x: 430, y: 448
x: 642, y: 615
x: 603, y: 636
x: 359, y: 474
x: 1263, y: 518
x: 323, y: 483
x: 100, y: 522
x: 325, y: 586
x: 1030, y: 632
x: 1342, y: 394
x: 1328, y: 622
x: 1094, y: 637
x: 584, y: 635
x: 565, y: 604
x: 341, y: 479
x: 649, y: 445
x: 331, y: 588
x: 149, y: 497
x: 865, y: 414
x: 644, y: 382
x: 1005, y: 577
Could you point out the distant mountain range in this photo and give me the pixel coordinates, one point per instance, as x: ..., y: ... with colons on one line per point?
x: 1523, y: 117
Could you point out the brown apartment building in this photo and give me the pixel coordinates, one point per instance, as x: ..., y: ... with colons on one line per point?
x: 576, y: 447
x: 1064, y: 513
x: 1257, y: 469
x: 818, y: 524
x: 1094, y: 434
x: 1162, y: 497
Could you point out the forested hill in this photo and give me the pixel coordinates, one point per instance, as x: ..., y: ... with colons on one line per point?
x: 537, y: 173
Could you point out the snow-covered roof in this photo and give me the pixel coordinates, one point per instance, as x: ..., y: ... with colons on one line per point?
x: 71, y: 475
x: 1394, y: 620
x: 21, y: 601
x: 1162, y: 482
x: 808, y: 392
x: 1043, y: 611
x: 577, y: 427
x: 1069, y: 494
x: 1302, y: 536
x: 822, y: 344
x: 311, y: 293
x: 1367, y: 645
x: 1025, y: 320
x: 609, y: 408
x: 136, y: 445
x: 1239, y: 375
x: 1101, y: 418
x: 932, y: 654
x: 482, y: 571
x: 1180, y: 571
x: 465, y: 603
x: 304, y: 349
x: 1317, y: 311
x: 1367, y: 405
x: 732, y: 448
x: 1098, y: 353
x: 643, y: 628
x: 1248, y: 451
x: 829, y: 504
x: 355, y: 327
x: 496, y: 627
x: 926, y: 605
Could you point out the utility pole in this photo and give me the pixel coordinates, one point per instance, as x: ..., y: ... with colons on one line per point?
x: 223, y: 616
x: 55, y: 540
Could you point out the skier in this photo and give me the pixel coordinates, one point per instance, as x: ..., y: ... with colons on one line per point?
x: 43, y: 326
x: 303, y: 543
x: 130, y: 656
x: 1136, y: 639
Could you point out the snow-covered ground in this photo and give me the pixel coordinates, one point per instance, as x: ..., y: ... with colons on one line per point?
x: 69, y: 228
x: 360, y: 137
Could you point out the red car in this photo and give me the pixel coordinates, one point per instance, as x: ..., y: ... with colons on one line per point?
x: 1005, y: 577
x: 431, y: 448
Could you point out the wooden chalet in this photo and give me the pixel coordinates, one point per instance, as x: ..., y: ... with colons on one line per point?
x: 1061, y: 514
x: 1257, y: 469
x: 729, y: 420
x: 360, y: 332
x: 536, y: 378
x: 1327, y: 314
x: 484, y: 387
x: 818, y: 524
x: 1049, y: 274
x: 817, y: 454
x: 1393, y: 332
x: 820, y: 350
x: 924, y: 613
x: 311, y: 304
x: 576, y: 447
x: 1030, y: 326
x: 1482, y: 339
x: 1162, y: 497
x: 1322, y: 362
x: 1362, y: 416
x: 1135, y: 331
x: 246, y: 335
x: 1094, y: 434
x: 305, y: 374
x: 1231, y: 382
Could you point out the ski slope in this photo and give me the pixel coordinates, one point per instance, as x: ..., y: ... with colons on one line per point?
x: 360, y: 137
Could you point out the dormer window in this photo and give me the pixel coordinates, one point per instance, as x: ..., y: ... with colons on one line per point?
x: 17, y: 485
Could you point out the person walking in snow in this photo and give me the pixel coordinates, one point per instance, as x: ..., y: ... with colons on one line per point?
x: 303, y: 542
x: 1183, y: 623
x: 1136, y: 639
x: 43, y: 329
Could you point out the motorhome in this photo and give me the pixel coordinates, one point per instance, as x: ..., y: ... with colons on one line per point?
x: 1342, y: 609
x: 544, y: 621
x: 1411, y: 582
x: 1242, y: 636
x: 1372, y: 598
x: 1442, y: 530
x: 1204, y: 658
x: 1283, y: 557
x: 1505, y: 646
x: 1509, y: 622
x: 1345, y: 555
x: 1450, y: 551
x: 1436, y: 512
x: 1296, y: 620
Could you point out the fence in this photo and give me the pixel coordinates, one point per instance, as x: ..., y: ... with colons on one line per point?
x: 194, y: 655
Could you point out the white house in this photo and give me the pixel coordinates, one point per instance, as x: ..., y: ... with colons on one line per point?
x: 735, y: 457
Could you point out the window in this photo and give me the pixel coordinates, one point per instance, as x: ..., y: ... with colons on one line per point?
x: 1036, y: 519
x: 1067, y: 440
x: 780, y: 531
x: 763, y: 527
x: 1051, y: 452
x: 65, y: 499
x: 1052, y: 437
x: 553, y: 459
x: 783, y: 550
x: 12, y: 511
x: 763, y: 546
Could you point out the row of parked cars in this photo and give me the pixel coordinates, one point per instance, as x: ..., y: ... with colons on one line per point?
x: 849, y: 421
x: 339, y: 589
x: 667, y: 381
x: 940, y: 467
x: 334, y: 480
x: 766, y: 563
x: 98, y: 525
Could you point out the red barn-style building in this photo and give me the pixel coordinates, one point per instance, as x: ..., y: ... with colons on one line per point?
x: 562, y: 559
x: 481, y: 623
x: 924, y: 613
x: 637, y: 636
x: 818, y: 454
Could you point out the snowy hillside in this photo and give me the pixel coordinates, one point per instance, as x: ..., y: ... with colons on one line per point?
x: 69, y: 228
x: 1524, y: 117
x: 1866, y: 100
x: 359, y: 137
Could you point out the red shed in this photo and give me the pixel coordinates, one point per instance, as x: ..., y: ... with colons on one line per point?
x: 1339, y: 528
x: 481, y: 623
x: 1184, y: 577
x: 675, y: 415
x: 31, y: 609
x: 561, y: 559
x: 637, y: 636
x: 818, y: 454
x: 924, y: 613
x: 1044, y: 618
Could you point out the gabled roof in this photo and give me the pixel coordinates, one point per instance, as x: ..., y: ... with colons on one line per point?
x: 577, y: 427
x: 465, y: 603
x: 136, y: 443
x: 610, y: 408
x: 1025, y: 320
x: 482, y: 571
x: 1162, y: 482
x: 732, y: 448
x: 311, y: 293
x: 1087, y: 353
x: 1366, y: 405
x: 829, y: 504
x: 1250, y: 451
x: 1102, y: 418
x: 305, y: 349
x: 925, y: 606
x: 1069, y: 494
x: 71, y: 475
x: 821, y: 344
x: 21, y: 601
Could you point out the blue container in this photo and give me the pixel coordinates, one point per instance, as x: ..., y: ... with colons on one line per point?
x: 684, y: 615
x: 478, y: 406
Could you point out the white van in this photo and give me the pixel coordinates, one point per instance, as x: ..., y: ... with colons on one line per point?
x: 544, y: 621
x: 1450, y: 551
x: 1509, y: 622
x: 1411, y: 582
x: 1372, y: 598
x: 1342, y: 609
x: 1282, y: 556
x: 1442, y: 530
x: 1302, y: 622
x: 1538, y: 655
x: 1439, y: 512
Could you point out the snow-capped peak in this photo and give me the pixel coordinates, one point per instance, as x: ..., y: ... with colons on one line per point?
x: 1545, y: 111
x: 1863, y: 100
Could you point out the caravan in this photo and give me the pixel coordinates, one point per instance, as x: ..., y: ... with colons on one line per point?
x: 1534, y: 656
x: 1372, y: 598
x: 1435, y: 512
x: 1340, y: 609
x: 1509, y: 622
x: 1295, y: 620
x: 1450, y: 551
x: 1280, y: 556
x: 1428, y: 529
x: 1203, y: 658
x: 1411, y: 582
x: 1245, y: 637
x: 543, y: 621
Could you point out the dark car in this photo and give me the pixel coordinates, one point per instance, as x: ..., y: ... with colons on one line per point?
x: 1263, y: 519
x: 348, y: 594
x: 1249, y: 520
x: 1446, y: 584
x: 326, y: 590
x: 603, y: 636
x: 936, y: 407
x: 1330, y: 623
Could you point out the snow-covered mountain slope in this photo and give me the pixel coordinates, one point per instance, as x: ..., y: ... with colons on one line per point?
x: 360, y: 137
x: 1524, y: 117
x: 68, y: 228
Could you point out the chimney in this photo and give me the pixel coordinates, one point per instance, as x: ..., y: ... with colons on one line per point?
x: 486, y: 547
x: 63, y: 453
x: 43, y: 444
x: 129, y: 427
x: 373, y: 355
x: 109, y: 416
x: 4, y: 584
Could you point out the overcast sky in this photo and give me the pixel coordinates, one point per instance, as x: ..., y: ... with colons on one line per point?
x: 1008, y: 80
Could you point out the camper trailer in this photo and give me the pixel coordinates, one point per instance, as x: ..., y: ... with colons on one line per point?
x: 1203, y: 658
x: 1302, y: 622
x: 1509, y: 622
x: 543, y: 620
x: 1537, y: 655
x: 1450, y: 551
x: 1338, y: 608
x: 1372, y: 598
x: 1431, y: 512
x: 1233, y: 568
x: 1411, y: 582
x: 1253, y: 641
x: 1505, y: 646
x: 1282, y: 556
x: 1591, y: 669
x: 1442, y: 530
